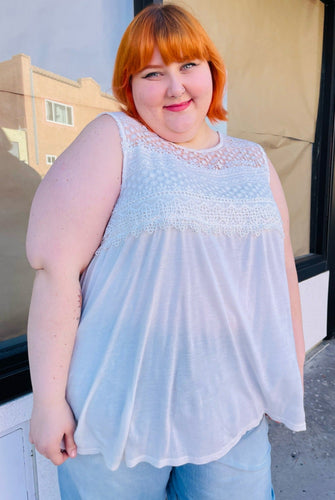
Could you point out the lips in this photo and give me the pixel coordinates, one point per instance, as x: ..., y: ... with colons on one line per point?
x: 178, y: 107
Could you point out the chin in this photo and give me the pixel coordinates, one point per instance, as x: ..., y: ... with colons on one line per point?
x: 178, y: 136
x: 186, y: 132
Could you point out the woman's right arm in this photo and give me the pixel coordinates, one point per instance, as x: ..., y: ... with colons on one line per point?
x: 69, y: 214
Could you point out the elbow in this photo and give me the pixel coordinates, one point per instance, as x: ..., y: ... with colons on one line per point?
x: 52, y: 262
x: 35, y: 261
x: 33, y: 253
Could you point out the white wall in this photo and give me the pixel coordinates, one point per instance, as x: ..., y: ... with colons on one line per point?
x: 26, y: 475
x: 314, y: 297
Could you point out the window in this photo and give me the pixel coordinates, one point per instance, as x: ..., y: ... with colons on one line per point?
x: 59, y: 113
x: 15, y: 150
x: 50, y: 159
x: 38, y: 90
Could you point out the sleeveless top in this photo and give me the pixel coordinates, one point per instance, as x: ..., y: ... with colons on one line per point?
x: 185, y: 338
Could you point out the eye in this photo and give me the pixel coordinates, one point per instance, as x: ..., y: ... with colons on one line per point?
x: 152, y: 74
x: 189, y: 65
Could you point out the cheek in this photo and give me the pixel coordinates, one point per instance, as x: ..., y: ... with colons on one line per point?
x: 209, y: 94
x: 146, y: 97
x: 137, y: 97
x: 206, y: 83
x: 202, y: 87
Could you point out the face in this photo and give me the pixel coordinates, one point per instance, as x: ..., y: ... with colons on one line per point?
x: 173, y: 100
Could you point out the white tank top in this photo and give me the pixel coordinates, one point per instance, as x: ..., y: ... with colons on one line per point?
x: 185, y: 338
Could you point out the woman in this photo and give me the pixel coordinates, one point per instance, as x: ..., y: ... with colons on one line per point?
x: 165, y: 318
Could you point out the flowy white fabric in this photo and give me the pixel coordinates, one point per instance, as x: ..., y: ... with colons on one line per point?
x: 185, y: 338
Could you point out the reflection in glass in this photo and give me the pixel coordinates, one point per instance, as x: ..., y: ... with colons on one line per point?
x: 41, y: 113
x: 51, y: 159
x: 18, y: 184
x: 44, y: 104
x: 59, y: 113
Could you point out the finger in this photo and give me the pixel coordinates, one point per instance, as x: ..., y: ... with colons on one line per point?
x: 53, y: 453
x: 59, y: 457
x: 62, y: 445
x: 70, y: 445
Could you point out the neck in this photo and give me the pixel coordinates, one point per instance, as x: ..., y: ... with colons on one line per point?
x: 208, y: 138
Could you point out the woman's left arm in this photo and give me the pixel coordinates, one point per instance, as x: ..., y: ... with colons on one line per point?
x: 291, y: 272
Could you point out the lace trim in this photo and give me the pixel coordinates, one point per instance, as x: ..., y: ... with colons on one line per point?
x: 229, y: 218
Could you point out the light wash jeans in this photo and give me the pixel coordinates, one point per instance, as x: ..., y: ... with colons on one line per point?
x: 244, y: 473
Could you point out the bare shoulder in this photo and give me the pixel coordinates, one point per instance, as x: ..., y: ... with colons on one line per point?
x: 75, y: 199
x: 99, y: 140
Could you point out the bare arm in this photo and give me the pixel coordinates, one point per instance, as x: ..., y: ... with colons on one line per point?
x: 67, y: 221
x: 290, y: 270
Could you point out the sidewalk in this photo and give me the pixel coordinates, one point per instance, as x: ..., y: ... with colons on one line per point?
x: 303, y: 463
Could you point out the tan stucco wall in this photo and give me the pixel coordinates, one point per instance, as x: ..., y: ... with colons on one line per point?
x: 84, y: 96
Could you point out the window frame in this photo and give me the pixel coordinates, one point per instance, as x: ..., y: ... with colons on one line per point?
x: 322, y: 158
x: 141, y: 4
x: 14, y: 369
x: 322, y: 222
x: 325, y: 159
x: 52, y: 157
x: 67, y: 107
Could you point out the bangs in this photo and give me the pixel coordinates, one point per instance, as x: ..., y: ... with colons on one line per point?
x: 173, y: 47
x: 175, y: 38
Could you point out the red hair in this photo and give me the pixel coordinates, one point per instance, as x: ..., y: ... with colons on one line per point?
x: 178, y: 37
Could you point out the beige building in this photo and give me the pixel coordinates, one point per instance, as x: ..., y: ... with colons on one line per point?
x: 41, y: 113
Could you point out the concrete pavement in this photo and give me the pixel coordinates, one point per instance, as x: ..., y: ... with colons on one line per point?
x: 303, y: 463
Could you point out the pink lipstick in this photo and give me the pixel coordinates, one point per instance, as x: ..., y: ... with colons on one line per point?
x: 178, y: 107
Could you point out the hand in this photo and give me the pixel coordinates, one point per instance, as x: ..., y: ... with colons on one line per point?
x: 51, y: 431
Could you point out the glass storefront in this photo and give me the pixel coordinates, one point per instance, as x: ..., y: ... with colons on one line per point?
x: 55, y: 77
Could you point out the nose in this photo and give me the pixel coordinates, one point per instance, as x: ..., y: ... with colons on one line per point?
x: 175, y: 87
